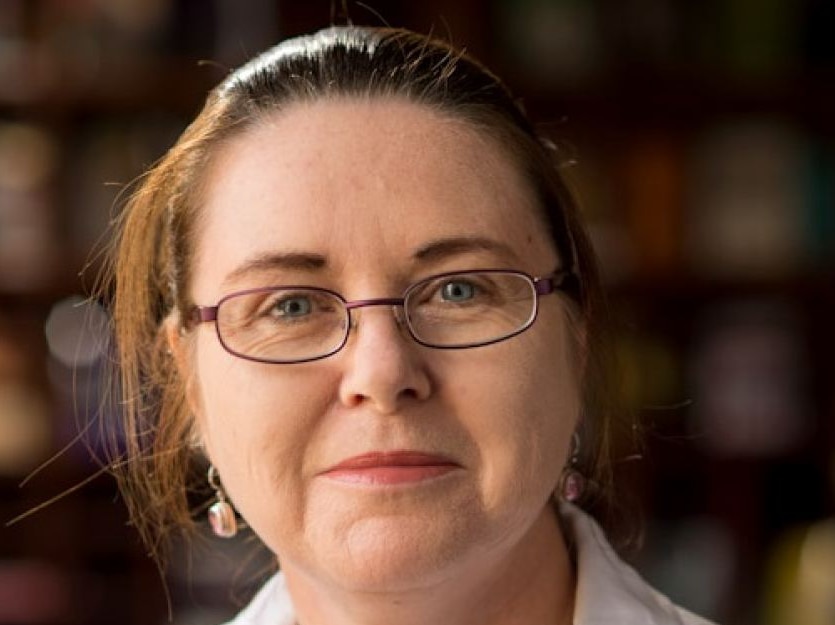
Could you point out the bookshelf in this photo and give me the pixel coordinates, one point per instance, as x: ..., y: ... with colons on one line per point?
x: 705, y: 150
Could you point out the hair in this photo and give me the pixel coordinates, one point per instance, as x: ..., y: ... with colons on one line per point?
x: 148, y: 273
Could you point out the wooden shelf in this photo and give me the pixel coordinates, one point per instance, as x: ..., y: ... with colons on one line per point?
x: 53, y: 88
x: 683, y: 289
x: 682, y: 100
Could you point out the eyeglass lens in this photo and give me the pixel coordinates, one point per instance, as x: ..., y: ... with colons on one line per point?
x: 298, y: 324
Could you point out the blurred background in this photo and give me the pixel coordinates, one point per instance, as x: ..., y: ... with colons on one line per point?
x: 703, y: 141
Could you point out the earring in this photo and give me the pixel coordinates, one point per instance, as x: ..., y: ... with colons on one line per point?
x: 221, y: 514
x: 572, y: 483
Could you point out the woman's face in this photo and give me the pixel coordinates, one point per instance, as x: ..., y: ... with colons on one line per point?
x: 364, y: 197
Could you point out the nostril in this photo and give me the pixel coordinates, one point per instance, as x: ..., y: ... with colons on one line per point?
x: 381, y: 368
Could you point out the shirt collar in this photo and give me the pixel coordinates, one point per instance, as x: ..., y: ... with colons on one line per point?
x: 609, y: 590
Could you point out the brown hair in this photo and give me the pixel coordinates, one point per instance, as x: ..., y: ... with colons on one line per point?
x: 149, y: 267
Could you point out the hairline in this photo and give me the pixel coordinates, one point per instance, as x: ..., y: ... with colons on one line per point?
x: 495, y: 135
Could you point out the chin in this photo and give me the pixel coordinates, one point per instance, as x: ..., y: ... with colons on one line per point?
x: 399, y: 553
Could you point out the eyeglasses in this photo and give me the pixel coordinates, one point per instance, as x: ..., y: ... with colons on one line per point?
x: 457, y: 310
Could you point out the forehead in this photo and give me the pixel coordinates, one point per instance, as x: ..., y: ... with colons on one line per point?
x: 364, y: 182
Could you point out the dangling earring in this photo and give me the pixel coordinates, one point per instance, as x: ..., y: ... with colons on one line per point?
x: 221, y: 514
x: 572, y: 483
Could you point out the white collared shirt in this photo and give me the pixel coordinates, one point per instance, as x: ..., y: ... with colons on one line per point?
x: 609, y: 591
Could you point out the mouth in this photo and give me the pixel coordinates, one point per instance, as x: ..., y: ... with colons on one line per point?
x: 388, y: 468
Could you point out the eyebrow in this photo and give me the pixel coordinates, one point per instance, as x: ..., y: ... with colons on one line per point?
x: 434, y: 251
x: 453, y: 246
x: 299, y: 261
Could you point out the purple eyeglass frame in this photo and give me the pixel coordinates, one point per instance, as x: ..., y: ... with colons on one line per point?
x: 559, y: 280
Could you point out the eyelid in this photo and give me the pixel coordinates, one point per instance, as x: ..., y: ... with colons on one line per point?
x: 409, y: 288
x: 314, y: 294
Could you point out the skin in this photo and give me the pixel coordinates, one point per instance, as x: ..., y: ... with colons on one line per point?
x: 364, y: 184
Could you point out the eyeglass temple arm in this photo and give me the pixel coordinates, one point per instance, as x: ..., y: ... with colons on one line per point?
x: 201, y: 314
x: 564, y: 280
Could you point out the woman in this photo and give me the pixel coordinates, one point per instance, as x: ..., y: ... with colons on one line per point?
x: 357, y: 286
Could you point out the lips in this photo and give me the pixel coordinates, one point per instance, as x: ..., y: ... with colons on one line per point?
x: 386, y: 468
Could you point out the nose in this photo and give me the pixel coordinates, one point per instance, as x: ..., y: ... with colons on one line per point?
x: 383, y: 365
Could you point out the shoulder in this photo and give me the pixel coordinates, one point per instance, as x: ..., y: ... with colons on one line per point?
x: 608, y: 589
x: 270, y: 606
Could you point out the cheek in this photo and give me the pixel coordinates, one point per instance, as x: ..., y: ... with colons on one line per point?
x: 257, y: 422
x: 523, y: 409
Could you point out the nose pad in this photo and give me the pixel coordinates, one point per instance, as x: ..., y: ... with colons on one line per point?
x: 399, y: 316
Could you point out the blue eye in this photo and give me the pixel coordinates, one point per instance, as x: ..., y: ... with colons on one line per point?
x: 293, y: 307
x: 458, y: 291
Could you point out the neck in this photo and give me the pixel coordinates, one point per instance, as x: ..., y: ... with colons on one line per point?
x: 532, y: 584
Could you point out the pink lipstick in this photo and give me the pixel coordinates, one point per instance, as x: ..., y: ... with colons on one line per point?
x: 391, y: 468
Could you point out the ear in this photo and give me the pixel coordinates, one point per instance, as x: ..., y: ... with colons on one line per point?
x: 180, y: 347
